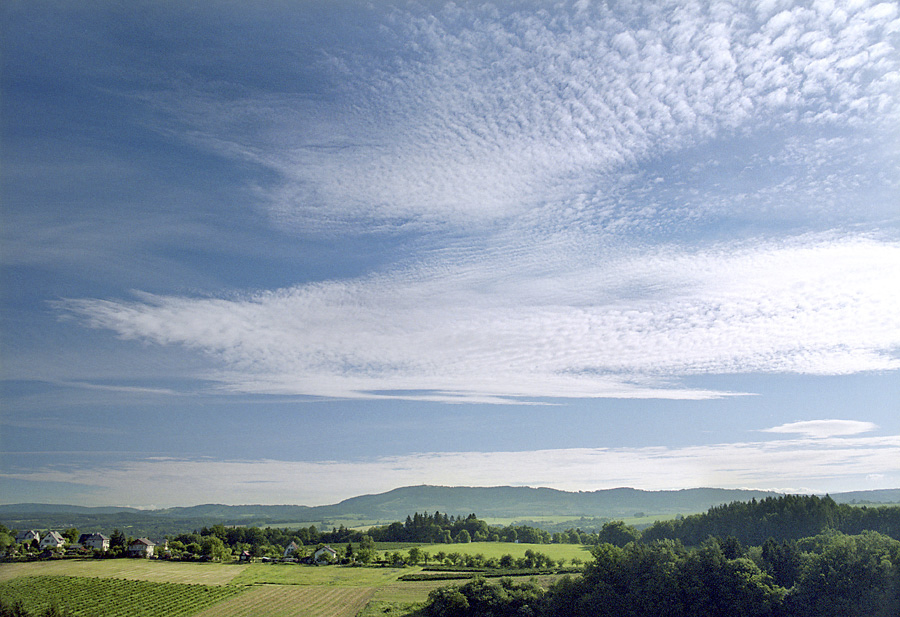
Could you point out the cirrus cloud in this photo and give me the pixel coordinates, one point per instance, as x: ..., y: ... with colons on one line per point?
x: 619, y: 327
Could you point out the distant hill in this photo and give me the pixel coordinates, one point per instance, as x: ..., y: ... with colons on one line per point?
x: 890, y: 495
x: 520, y: 501
x: 500, y: 501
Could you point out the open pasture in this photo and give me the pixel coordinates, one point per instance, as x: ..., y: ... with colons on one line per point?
x: 131, y: 569
x: 334, y: 576
x: 293, y: 601
x: 498, y: 549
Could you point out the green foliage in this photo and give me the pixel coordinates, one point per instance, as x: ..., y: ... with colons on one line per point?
x: 828, y: 575
x: 787, y: 517
x: 117, y: 540
x: 849, y: 575
x: 486, y: 599
x: 618, y: 534
x: 213, y: 547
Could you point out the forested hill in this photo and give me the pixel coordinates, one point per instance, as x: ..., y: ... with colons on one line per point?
x: 516, y: 502
x: 500, y: 501
x: 520, y: 501
x: 787, y: 517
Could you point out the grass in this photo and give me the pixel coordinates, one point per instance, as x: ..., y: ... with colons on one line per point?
x: 131, y: 569
x: 340, y: 576
x: 377, y: 608
x: 281, y: 590
x: 498, y: 549
x: 293, y: 601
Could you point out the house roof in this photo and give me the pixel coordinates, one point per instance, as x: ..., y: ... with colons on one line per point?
x: 28, y: 533
x: 143, y: 541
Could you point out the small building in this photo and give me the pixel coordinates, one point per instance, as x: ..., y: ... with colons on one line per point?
x: 292, y: 549
x: 142, y: 547
x: 245, y: 556
x: 52, y: 540
x: 324, y: 555
x: 95, y: 541
x: 27, y: 537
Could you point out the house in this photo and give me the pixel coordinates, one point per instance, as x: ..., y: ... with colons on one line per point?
x: 292, y: 549
x: 27, y: 537
x: 324, y: 555
x: 52, y: 540
x: 142, y: 547
x: 94, y: 540
x: 245, y: 556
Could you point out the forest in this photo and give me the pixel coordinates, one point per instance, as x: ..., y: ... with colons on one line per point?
x: 828, y: 575
x: 798, y: 556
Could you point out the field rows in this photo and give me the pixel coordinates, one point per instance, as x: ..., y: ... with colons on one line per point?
x: 293, y: 601
x: 150, y: 588
x: 107, y: 597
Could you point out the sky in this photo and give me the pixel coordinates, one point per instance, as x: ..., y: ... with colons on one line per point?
x: 292, y: 252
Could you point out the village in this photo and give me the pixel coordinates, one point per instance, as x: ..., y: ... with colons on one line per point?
x: 31, y: 544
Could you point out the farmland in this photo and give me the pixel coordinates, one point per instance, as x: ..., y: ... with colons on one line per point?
x: 341, y: 576
x: 293, y: 601
x: 112, y: 597
x: 498, y: 549
x: 131, y: 569
x: 152, y: 588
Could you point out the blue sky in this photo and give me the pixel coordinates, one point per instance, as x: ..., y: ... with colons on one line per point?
x: 282, y: 252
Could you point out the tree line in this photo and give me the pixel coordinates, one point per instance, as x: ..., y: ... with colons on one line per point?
x: 827, y: 575
x: 787, y: 517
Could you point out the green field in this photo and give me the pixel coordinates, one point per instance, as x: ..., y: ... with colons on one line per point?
x: 132, y: 569
x: 498, y: 549
x: 112, y: 597
x: 293, y: 574
x: 150, y: 588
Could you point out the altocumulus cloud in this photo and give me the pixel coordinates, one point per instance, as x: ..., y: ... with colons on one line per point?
x: 479, y: 114
x: 617, y: 327
x: 561, y: 247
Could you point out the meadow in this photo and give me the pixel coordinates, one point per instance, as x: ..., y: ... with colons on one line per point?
x: 498, y: 549
x: 151, y: 588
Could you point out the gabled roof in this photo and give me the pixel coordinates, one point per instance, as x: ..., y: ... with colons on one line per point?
x: 293, y: 547
x: 28, y: 533
x: 143, y: 541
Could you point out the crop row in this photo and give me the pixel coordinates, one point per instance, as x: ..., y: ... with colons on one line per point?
x: 294, y: 601
x: 104, y: 597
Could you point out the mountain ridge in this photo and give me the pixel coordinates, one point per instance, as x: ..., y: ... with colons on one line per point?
x: 496, y: 501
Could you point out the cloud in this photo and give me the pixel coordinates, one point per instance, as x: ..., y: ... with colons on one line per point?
x: 821, y: 464
x: 824, y: 428
x: 479, y: 115
x: 540, y: 325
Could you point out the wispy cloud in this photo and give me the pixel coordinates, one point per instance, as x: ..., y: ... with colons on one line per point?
x: 115, y: 388
x: 824, y: 428
x: 616, y: 327
x: 836, y: 463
